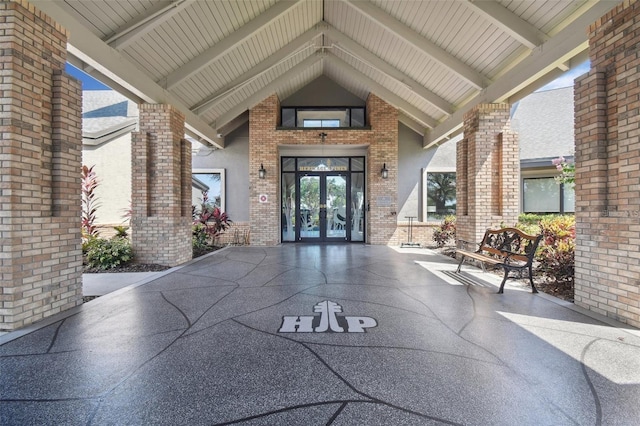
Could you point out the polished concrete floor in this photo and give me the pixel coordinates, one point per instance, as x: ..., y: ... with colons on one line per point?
x: 319, y: 335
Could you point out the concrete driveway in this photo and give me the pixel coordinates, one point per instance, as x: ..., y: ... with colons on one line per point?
x: 319, y: 335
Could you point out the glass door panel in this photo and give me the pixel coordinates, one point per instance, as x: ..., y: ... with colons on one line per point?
x: 357, y: 207
x: 289, y: 206
x: 309, y: 207
x: 336, y: 203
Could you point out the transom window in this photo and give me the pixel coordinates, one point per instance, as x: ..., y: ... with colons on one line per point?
x: 320, y: 118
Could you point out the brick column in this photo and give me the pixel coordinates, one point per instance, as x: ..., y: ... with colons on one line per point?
x: 607, y: 276
x: 161, y: 187
x: 487, y: 172
x: 40, y: 157
x: 382, y: 193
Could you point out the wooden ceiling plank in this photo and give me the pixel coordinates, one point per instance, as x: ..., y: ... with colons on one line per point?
x: 455, y: 65
x: 216, y: 51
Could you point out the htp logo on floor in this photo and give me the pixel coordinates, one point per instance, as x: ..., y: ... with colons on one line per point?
x: 327, y: 321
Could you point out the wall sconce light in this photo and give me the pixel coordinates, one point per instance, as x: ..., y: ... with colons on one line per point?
x: 384, y: 172
x: 262, y: 172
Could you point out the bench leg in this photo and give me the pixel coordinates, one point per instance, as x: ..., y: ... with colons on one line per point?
x: 460, y: 265
x: 504, y: 280
x: 533, y: 287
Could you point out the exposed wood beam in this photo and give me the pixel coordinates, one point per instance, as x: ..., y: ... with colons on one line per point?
x: 137, y: 28
x: 263, y: 93
x: 444, y: 58
x: 551, y: 76
x: 213, y: 53
x: 234, y: 124
x: 87, y: 47
x: 508, y: 22
x: 566, y: 44
x: 81, y: 65
x: 411, y: 123
x: 377, y: 63
x: 384, y: 93
x: 290, y: 49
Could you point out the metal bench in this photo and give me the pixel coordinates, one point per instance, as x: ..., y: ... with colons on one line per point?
x: 508, y: 248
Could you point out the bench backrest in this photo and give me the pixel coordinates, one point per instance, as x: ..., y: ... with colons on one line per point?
x: 522, y: 246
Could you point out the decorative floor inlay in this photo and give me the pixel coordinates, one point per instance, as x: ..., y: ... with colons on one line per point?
x: 328, y: 320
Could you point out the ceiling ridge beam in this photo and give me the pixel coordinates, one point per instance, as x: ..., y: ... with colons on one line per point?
x: 132, y: 31
x: 263, y: 93
x: 368, y: 57
x: 212, y: 100
x: 384, y: 93
x: 571, y: 41
x: 223, y: 46
x: 422, y: 44
x: 508, y: 22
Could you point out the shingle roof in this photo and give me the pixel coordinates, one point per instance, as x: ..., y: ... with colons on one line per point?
x: 544, y: 122
x: 105, y: 110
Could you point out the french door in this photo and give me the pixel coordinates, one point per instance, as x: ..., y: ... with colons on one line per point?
x: 323, y: 206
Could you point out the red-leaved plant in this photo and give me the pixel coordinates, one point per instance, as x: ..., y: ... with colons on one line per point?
x: 89, y: 202
x: 208, y: 222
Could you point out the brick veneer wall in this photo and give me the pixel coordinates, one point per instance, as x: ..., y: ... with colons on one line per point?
x: 488, y: 173
x: 264, y: 139
x: 607, y: 125
x: 161, y: 187
x: 40, y: 155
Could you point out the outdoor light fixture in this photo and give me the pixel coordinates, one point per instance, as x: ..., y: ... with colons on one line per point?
x: 384, y: 172
x: 262, y: 172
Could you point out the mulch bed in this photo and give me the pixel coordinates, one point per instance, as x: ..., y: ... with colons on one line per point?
x: 144, y: 267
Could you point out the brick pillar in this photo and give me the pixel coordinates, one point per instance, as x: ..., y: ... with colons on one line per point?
x: 487, y: 172
x: 607, y: 278
x: 382, y: 193
x: 161, y: 187
x: 264, y: 215
x: 40, y: 156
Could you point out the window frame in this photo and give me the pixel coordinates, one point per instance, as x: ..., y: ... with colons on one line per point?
x: 424, y: 216
x: 561, y: 195
x: 221, y: 172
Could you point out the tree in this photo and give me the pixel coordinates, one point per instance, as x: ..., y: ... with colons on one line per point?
x: 441, y: 190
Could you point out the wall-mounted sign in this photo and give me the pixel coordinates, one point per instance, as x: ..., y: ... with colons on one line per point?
x: 383, y: 201
x: 327, y: 321
x: 263, y: 198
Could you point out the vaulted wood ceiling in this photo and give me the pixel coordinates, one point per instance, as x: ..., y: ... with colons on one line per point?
x: 433, y: 60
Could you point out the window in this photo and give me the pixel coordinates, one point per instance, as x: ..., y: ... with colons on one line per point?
x: 545, y: 195
x: 441, y: 195
x: 210, y: 182
x: 321, y: 123
x: 340, y: 117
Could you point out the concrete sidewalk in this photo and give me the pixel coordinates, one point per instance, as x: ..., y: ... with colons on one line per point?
x: 317, y: 335
x: 104, y: 283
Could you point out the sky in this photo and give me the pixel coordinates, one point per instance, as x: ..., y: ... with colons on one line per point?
x: 566, y: 80
x: 88, y: 82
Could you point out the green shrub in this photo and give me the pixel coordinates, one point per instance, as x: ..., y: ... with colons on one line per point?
x: 557, y: 251
x: 107, y: 254
x: 445, y: 231
x: 121, y: 231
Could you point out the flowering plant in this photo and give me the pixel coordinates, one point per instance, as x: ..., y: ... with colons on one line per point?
x: 567, y: 171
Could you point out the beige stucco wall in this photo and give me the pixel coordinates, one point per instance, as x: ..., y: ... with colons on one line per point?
x: 112, y: 162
